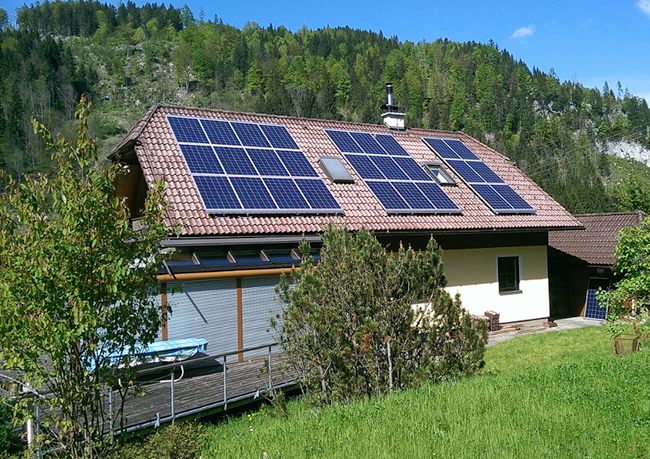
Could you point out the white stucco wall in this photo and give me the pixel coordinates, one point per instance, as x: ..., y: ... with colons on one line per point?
x: 473, y: 274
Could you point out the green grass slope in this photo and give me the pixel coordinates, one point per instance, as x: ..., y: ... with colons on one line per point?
x: 551, y: 395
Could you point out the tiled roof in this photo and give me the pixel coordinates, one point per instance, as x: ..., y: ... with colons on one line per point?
x: 595, y: 244
x: 160, y: 157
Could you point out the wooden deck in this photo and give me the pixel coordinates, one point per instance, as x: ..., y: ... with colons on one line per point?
x: 197, y: 390
x: 201, y: 391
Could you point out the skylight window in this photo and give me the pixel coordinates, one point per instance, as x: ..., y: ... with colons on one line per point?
x: 439, y: 174
x: 335, y: 169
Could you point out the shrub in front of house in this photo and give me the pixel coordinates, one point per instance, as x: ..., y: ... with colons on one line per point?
x: 364, y: 322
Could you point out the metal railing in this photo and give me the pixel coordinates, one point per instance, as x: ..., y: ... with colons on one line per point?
x: 220, y: 358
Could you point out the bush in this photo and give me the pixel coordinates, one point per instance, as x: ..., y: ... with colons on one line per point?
x: 364, y: 321
x: 183, y: 440
x: 10, y: 443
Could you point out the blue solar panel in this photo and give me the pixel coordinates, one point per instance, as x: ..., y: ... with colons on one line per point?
x: 279, y: 136
x: 250, y: 135
x: 317, y: 194
x: 465, y: 171
x: 391, y: 145
x: 235, y: 161
x: 388, y: 167
x: 220, y: 132
x: 412, y: 169
x: 438, y: 197
x: 492, y: 198
x: 512, y: 198
x: 364, y: 167
x: 388, y: 196
x: 217, y: 193
x: 485, y: 172
x: 368, y: 143
x: 233, y: 179
x: 491, y: 188
x: 461, y: 150
x: 286, y: 193
x: 252, y: 193
x: 296, y: 163
x: 390, y: 173
x: 440, y: 147
x: 201, y: 159
x: 592, y: 308
x: 187, y: 130
x: 413, y: 195
x: 266, y: 162
x: 344, y: 142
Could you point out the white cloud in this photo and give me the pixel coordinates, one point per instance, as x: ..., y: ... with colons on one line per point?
x: 644, y: 5
x: 528, y: 31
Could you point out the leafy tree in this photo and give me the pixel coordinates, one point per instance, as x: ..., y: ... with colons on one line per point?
x: 364, y: 321
x: 632, y: 255
x: 633, y: 194
x: 76, y: 284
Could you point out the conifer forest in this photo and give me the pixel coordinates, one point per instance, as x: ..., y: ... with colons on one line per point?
x: 128, y: 58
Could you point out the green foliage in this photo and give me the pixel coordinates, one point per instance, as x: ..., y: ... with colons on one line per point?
x: 76, y: 284
x: 633, y: 194
x: 9, y: 442
x: 632, y: 255
x: 364, y: 322
x: 182, y: 440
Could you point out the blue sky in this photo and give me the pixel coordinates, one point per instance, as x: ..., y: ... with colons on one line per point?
x: 587, y: 41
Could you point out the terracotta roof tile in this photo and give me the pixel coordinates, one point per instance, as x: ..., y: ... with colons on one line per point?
x: 160, y: 156
x: 595, y: 244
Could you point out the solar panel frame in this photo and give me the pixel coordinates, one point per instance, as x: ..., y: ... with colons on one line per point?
x: 391, y: 174
x: 486, y: 183
x: 250, y: 168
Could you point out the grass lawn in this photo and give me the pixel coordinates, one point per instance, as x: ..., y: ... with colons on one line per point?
x: 547, y: 395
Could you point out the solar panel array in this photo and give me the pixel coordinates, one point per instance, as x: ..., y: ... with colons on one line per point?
x: 392, y: 175
x: 246, y: 168
x: 491, y: 188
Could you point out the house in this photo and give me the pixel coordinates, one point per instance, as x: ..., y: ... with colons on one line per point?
x: 244, y: 189
x: 581, y: 261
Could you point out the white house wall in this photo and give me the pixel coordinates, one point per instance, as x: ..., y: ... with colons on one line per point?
x: 473, y: 274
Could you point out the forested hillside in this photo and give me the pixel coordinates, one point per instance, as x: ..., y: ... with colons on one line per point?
x: 129, y: 57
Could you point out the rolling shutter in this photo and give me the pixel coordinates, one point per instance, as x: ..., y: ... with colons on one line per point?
x: 259, y: 304
x: 205, y: 309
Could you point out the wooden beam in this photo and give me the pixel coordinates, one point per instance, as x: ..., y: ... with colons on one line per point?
x: 223, y: 274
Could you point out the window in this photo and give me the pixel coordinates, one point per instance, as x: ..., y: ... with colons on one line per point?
x: 335, y: 169
x: 508, y: 273
x: 439, y: 174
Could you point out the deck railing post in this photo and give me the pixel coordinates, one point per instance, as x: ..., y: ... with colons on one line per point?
x: 110, y: 413
x: 172, y: 397
x: 225, y: 384
x: 270, y: 369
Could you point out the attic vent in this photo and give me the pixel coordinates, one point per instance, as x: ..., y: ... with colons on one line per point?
x: 393, y: 118
x: 335, y: 169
